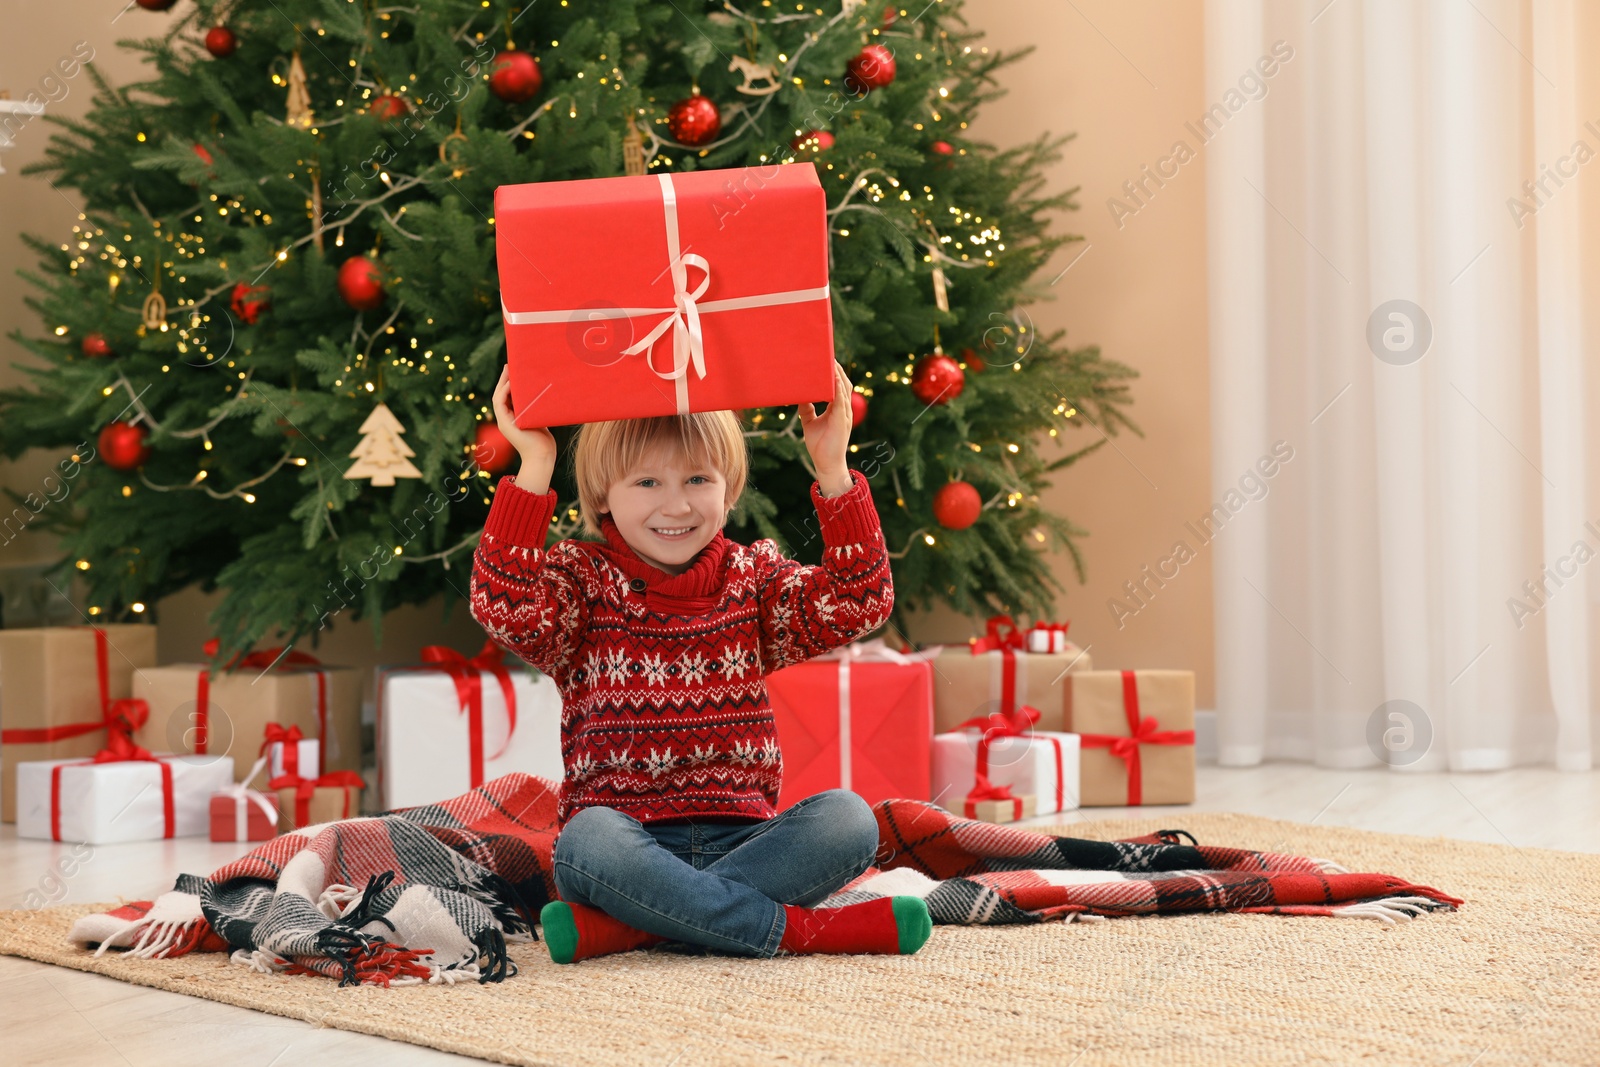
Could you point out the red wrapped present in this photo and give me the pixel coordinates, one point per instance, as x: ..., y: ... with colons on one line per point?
x: 665, y: 293
x: 859, y: 718
x: 239, y: 813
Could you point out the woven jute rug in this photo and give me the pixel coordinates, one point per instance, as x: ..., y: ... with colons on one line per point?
x: 1513, y: 977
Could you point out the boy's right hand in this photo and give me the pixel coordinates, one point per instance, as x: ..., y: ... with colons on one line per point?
x: 536, y: 446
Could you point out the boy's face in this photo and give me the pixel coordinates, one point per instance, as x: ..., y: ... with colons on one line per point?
x: 668, y: 507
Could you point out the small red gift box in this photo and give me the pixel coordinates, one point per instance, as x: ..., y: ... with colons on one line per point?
x: 243, y: 815
x: 859, y: 718
x: 664, y: 293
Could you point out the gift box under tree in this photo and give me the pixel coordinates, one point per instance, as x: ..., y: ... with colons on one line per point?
x: 239, y: 813
x: 304, y: 802
x: 123, y: 793
x: 665, y: 293
x: 59, y: 688
x: 205, y: 711
x: 1136, y: 733
x: 859, y: 718
x: 997, y: 673
x: 451, y: 723
x: 997, y: 757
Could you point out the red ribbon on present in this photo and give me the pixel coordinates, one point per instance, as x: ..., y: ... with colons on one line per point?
x: 112, y: 712
x: 260, y: 660
x: 1000, y: 724
x: 290, y: 740
x: 304, y: 787
x: 1008, y: 644
x: 1141, y: 731
x: 469, y: 692
x: 119, y: 749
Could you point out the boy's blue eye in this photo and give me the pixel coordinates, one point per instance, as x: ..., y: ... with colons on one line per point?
x: 701, y: 477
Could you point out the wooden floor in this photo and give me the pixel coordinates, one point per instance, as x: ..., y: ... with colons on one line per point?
x: 65, y: 1018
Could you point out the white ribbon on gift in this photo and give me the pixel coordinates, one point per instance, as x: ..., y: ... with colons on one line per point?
x: 683, y: 317
x: 241, y: 792
x: 873, y: 651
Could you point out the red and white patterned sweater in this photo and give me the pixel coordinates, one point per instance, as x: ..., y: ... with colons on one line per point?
x: 664, y: 707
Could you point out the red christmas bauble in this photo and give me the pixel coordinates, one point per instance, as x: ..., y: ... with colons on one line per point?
x: 156, y: 5
x: 491, y: 450
x: 956, y: 505
x: 812, y: 141
x: 944, y: 148
x: 249, y: 301
x: 360, y: 284
x: 514, y: 76
x: 872, y: 68
x: 221, y: 42
x: 96, y: 345
x: 694, y: 121
x: 858, y: 409
x: 388, y: 106
x: 937, y: 379
x: 889, y: 15
x: 974, y: 362
x: 122, y: 445
x: 205, y: 156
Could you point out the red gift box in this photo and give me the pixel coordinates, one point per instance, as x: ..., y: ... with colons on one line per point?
x: 661, y: 294
x: 860, y: 718
x: 259, y: 812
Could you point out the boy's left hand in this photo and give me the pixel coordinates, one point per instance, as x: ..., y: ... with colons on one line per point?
x: 828, y: 435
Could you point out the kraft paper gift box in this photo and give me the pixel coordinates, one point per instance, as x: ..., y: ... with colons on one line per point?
x: 593, y: 274
x: 123, y: 800
x: 205, y: 711
x: 999, y: 811
x: 1112, y: 710
x: 859, y: 718
x: 997, y: 674
x: 1041, y: 765
x: 435, y: 743
x: 312, y: 801
x: 58, y: 687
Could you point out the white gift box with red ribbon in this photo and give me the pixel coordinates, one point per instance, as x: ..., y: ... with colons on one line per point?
x: 1044, y: 764
x: 122, y: 800
x: 425, y: 744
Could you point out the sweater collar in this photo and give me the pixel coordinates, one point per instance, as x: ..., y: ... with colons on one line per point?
x: 702, y: 577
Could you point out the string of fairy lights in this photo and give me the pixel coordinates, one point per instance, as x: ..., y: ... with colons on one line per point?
x: 967, y: 240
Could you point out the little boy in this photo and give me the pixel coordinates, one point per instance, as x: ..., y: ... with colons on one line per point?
x: 659, y: 639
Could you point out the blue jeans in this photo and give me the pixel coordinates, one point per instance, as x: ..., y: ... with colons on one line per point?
x: 721, y: 885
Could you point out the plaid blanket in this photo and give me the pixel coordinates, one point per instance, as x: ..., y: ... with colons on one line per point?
x: 434, y: 893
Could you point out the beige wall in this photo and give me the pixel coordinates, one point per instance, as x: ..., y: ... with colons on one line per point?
x: 1123, y: 74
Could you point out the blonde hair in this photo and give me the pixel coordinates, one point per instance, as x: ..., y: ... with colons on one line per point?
x: 606, y: 451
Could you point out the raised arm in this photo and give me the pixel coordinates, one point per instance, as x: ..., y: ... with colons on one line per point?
x: 809, y: 610
x: 530, y: 600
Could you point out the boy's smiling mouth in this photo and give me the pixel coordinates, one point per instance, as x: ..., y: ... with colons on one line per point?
x: 673, y: 533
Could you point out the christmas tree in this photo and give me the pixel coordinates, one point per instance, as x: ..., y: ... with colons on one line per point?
x: 289, y: 225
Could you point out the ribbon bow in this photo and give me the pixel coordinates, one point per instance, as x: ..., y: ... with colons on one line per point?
x: 996, y: 641
x: 1141, y: 731
x: 304, y: 787
x: 262, y: 659
x: 469, y: 693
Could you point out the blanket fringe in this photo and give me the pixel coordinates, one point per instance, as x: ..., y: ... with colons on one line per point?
x: 155, y: 939
x: 1389, y: 909
x: 258, y: 960
x: 1330, y: 867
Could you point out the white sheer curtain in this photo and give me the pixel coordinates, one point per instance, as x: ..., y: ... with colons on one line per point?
x: 1388, y: 599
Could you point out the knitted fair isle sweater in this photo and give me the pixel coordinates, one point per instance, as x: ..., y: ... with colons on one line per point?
x: 664, y: 707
